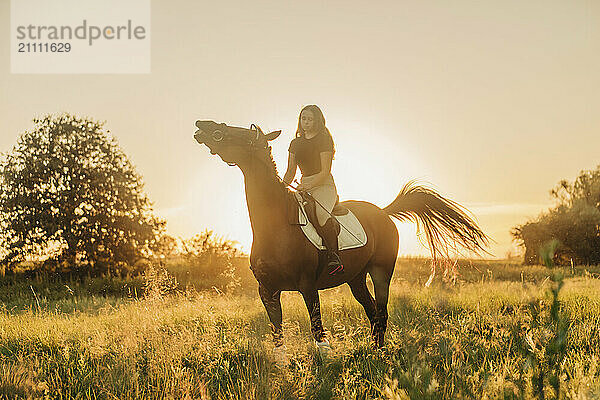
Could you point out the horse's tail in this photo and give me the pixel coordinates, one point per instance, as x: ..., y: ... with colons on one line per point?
x: 445, y: 222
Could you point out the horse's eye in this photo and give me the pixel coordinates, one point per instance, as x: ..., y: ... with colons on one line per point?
x: 217, y: 136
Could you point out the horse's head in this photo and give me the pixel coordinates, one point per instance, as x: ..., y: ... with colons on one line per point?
x: 234, y: 145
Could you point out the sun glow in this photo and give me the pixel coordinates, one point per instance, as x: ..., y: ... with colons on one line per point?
x: 368, y: 166
x: 372, y: 167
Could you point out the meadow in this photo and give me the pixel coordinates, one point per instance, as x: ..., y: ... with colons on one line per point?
x: 498, y: 332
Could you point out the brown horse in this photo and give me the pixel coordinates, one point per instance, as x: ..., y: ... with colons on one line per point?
x: 282, y: 258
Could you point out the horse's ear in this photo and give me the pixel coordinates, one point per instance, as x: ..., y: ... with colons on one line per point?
x: 272, y: 135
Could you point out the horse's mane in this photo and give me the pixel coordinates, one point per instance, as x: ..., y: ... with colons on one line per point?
x: 272, y: 160
x: 272, y: 167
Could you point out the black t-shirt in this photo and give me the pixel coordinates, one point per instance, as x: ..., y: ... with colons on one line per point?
x: 308, y: 152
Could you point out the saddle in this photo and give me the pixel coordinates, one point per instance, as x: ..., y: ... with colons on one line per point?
x: 302, y: 211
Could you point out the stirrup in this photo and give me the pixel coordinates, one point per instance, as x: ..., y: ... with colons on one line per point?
x: 333, y: 259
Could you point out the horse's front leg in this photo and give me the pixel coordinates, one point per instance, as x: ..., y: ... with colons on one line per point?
x: 311, y: 298
x: 272, y: 302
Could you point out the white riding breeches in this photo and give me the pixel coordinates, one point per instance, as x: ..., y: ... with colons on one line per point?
x: 325, y: 195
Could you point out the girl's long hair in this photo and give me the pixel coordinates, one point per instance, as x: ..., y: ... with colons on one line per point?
x: 319, y: 122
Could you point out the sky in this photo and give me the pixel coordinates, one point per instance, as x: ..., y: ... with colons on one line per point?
x: 490, y: 103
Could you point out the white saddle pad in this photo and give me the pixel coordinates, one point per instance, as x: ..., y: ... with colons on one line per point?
x: 352, y: 234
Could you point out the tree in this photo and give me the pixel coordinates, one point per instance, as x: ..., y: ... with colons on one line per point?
x: 574, y: 222
x: 68, y: 194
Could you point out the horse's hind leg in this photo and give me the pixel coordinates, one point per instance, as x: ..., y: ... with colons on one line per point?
x: 361, y: 293
x: 381, y: 281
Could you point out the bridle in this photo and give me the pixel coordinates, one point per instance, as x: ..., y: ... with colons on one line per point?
x: 251, y: 142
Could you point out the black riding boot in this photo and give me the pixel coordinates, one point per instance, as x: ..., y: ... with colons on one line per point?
x: 329, y: 233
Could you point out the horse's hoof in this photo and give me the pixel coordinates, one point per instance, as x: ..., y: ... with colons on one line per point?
x: 280, y: 356
x: 324, y: 348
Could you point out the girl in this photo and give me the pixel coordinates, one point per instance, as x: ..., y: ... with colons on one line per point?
x: 312, y: 150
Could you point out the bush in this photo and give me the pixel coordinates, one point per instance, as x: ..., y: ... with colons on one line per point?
x: 574, y: 223
x: 211, y: 262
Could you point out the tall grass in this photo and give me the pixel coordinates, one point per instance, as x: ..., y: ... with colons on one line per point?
x: 471, y: 340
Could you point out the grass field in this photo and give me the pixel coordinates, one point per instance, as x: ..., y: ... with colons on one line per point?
x: 495, y: 334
